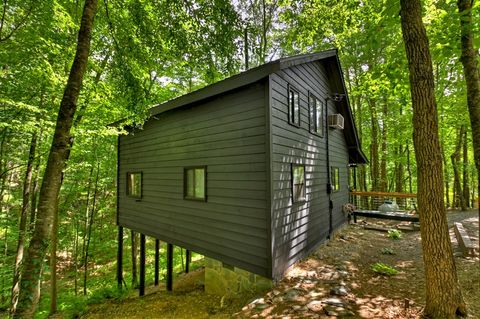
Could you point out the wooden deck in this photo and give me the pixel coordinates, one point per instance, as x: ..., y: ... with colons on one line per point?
x: 387, y: 215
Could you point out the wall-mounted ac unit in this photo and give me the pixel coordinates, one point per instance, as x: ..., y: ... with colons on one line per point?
x: 335, y: 121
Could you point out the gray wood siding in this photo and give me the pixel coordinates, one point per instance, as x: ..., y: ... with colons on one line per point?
x: 227, y: 134
x: 297, y: 228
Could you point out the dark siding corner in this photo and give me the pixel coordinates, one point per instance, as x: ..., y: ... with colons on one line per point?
x: 297, y: 228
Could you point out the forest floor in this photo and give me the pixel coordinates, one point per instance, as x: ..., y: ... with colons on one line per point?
x: 336, y: 281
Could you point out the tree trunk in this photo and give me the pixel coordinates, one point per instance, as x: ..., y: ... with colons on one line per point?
x: 465, y: 186
x: 409, y: 170
x: 374, y: 162
x: 443, y: 295
x: 53, y: 264
x: 27, y: 186
x: 134, y: 258
x: 469, y: 60
x: 383, y: 160
x: 458, y: 200
x: 48, y: 200
x: 446, y: 176
x: 89, y: 236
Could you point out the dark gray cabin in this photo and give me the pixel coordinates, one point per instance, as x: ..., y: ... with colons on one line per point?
x: 238, y: 171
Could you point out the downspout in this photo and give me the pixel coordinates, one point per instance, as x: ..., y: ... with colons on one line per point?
x: 336, y: 98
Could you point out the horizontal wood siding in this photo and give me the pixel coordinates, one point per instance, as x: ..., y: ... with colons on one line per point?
x: 297, y: 228
x: 226, y: 134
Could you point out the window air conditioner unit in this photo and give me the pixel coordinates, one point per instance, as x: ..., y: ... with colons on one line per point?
x: 335, y: 121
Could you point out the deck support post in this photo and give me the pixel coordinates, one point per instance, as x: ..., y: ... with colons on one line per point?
x: 157, y: 260
x: 187, y: 261
x: 120, y: 258
x: 142, y: 265
x: 169, y: 267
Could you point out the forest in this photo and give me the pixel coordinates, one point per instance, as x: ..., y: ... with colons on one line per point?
x: 93, y: 63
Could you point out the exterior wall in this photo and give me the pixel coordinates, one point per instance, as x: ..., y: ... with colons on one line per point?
x: 297, y: 228
x: 227, y: 134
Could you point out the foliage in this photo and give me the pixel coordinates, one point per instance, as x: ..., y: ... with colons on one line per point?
x: 147, y: 52
x: 384, y: 269
x: 394, y: 234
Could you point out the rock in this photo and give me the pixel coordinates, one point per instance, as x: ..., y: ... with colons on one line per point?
x: 315, y: 306
x: 338, y: 312
x: 292, y: 294
x: 339, y: 291
x: 333, y: 302
x: 297, y: 307
x: 343, y: 273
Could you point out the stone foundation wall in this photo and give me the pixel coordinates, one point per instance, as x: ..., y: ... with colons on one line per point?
x: 225, y: 280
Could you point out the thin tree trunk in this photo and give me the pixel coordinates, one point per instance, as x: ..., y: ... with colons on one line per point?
x: 48, y: 200
x: 85, y: 224
x: 383, y: 150
x: 134, y: 258
x: 469, y: 60
x: 458, y: 199
x: 409, y: 170
x: 27, y: 186
x: 443, y: 295
x: 75, y: 257
x: 466, y: 185
x: 374, y: 161
x: 53, y: 264
x: 446, y: 176
x: 34, y: 195
x: 90, y: 225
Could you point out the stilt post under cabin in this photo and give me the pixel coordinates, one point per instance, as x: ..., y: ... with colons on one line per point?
x: 169, y: 267
x: 157, y: 260
x: 142, y: 265
x: 120, y: 257
x: 187, y: 261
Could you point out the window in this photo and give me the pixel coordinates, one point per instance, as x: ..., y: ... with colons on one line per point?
x: 316, y: 115
x: 194, y: 183
x: 335, y: 178
x: 134, y: 184
x: 298, y: 183
x: 293, y: 106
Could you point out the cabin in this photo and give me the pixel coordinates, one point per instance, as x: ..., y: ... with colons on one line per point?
x: 251, y: 171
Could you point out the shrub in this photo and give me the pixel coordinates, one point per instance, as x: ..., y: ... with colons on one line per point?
x: 394, y: 234
x: 383, y: 269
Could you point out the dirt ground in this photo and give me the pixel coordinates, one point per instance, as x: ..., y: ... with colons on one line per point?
x: 336, y: 281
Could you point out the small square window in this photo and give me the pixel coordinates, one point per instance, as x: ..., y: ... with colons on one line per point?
x: 335, y: 178
x: 298, y: 183
x: 293, y: 106
x: 134, y: 184
x: 316, y: 115
x: 194, y: 181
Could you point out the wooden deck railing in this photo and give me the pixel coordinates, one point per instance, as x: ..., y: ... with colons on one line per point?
x: 372, y: 200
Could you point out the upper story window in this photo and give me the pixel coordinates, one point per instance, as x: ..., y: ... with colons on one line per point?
x: 134, y: 184
x: 194, y: 183
x: 293, y: 106
x: 316, y: 115
x: 298, y: 183
x: 335, y: 178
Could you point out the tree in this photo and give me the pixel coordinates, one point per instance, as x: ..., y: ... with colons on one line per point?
x: 48, y: 199
x: 469, y: 60
x: 443, y: 295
